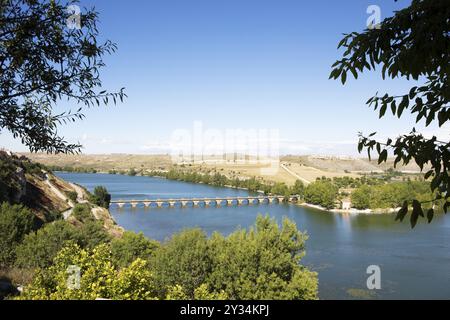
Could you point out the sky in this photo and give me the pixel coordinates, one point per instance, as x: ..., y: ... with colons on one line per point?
x: 229, y: 65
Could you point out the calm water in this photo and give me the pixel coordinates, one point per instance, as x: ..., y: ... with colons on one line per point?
x: 414, y: 263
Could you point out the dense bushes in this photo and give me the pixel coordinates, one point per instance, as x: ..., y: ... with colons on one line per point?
x: 391, y: 195
x: 72, y: 195
x: 323, y: 193
x: 101, y: 197
x: 219, y: 180
x: 132, y: 246
x: 71, y: 169
x: 99, y: 278
x: 10, y: 166
x: 8, y: 181
x: 82, y: 212
x: 38, y: 249
x: 361, y: 197
x: 184, y: 260
x: 261, y: 263
x: 15, y: 223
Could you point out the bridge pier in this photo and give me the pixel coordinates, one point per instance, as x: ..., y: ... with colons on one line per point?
x: 207, y: 202
x: 159, y: 204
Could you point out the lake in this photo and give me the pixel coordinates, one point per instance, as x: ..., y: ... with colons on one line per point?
x: 415, y: 264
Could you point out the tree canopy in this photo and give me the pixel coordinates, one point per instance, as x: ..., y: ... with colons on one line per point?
x: 44, y: 60
x: 412, y: 44
x: 260, y: 263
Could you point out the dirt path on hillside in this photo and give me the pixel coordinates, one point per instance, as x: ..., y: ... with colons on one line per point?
x: 292, y: 173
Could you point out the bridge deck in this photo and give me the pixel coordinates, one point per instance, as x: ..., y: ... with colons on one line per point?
x: 201, y: 199
x: 184, y: 202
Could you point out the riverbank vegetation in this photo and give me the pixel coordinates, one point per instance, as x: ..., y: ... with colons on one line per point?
x: 35, y: 255
x: 375, y: 191
x: 391, y: 195
x: 260, y: 263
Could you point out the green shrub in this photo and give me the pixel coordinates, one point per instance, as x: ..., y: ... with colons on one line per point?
x: 101, y: 197
x: 82, y: 212
x: 99, y: 278
x: 132, y: 246
x: 93, y: 234
x: 38, y: 249
x: 261, y: 263
x: 8, y: 184
x: 15, y: 223
x: 72, y: 195
x: 321, y: 192
x: 361, y: 197
x: 184, y: 260
x: 132, y: 172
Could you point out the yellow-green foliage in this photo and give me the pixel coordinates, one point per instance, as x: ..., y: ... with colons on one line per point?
x: 261, y: 263
x: 99, y: 278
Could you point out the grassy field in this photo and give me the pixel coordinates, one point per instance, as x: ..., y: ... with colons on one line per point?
x: 290, y: 168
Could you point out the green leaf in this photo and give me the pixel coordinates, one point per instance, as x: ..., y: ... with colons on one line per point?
x: 403, y: 105
x: 344, y: 76
x: 412, y: 92
x: 394, y: 107
x: 430, y: 215
x: 360, y: 147
x: 442, y: 116
x: 401, y: 214
x: 383, y: 110
x: 428, y: 174
x: 353, y: 71
x: 417, y: 211
x: 383, y: 156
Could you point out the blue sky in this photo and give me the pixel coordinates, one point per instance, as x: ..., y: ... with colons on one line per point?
x: 233, y: 64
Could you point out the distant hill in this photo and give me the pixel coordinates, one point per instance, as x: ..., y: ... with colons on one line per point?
x: 348, y: 164
x: 292, y: 168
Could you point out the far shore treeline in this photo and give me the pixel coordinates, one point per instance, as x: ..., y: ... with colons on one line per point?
x: 371, y: 191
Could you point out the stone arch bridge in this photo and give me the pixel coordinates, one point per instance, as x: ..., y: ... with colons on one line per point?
x: 206, y: 202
